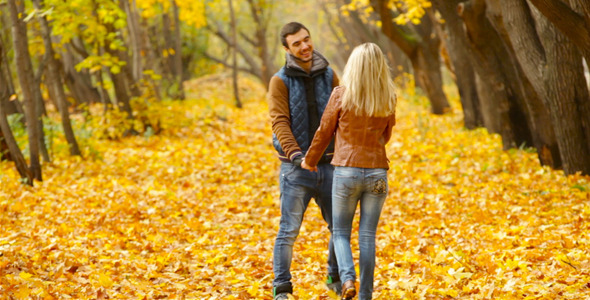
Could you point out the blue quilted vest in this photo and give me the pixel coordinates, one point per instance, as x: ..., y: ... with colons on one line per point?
x: 298, y: 110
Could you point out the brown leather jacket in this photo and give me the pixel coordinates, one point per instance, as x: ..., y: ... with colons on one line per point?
x: 360, y: 140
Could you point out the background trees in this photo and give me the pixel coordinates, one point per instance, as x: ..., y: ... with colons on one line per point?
x: 518, y: 65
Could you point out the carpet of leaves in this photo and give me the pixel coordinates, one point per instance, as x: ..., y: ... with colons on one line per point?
x: 192, y: 213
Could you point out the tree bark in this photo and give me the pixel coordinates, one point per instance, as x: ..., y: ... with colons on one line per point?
x: 134, y: 37
x: 267, y: 67
x: 27, y: 81
x: 40, y: 108
x: 177, y: 57
x: 459, y: 56
x: 53, y: 79
x: 234, y: 54
x: 79, y: 83
x: 553, y: 66
x: 7, y: 137
x: 572, y: 24
x: 422, y: 48
x: 491, y: 61
x: 538, y: 116
x: 12, y: 106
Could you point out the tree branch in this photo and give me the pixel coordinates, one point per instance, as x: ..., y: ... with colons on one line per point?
x: 569, y: 22
x: 404, y: 41
x: 228, y: 65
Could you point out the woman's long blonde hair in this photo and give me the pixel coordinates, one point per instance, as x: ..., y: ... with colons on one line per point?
x: 369, y: 88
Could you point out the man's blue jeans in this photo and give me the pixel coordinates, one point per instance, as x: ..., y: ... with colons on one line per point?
x: 297, y: 187
x: 369, y: 187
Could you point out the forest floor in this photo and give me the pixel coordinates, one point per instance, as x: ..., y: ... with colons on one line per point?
x: 192, y: 213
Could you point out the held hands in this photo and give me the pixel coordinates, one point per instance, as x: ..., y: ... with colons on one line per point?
x: 307, y: 167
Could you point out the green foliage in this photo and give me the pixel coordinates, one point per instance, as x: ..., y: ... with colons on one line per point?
x: 93, y: 28
x: 19, y: 129
x: 53, y: 130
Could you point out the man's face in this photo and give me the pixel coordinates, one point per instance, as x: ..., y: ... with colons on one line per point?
x: 300, y: 45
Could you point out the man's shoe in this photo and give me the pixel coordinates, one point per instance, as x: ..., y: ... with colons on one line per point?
x: 284, y: 296
x: 348, y: 290
x: 334, y: 284
x: 283, y: 292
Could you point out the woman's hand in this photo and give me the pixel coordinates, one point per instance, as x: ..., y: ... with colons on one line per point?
x: 307, y: 167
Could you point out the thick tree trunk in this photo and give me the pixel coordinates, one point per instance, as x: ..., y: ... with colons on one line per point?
x: 538, y: 115
x: 553, y: 66
x: 27, y: 81
x: 572, y: 20
x: 53, y: 81
x: 491, y: 63
x: 463, y: 69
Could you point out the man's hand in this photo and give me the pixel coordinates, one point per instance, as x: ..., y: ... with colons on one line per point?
x: 307, y: 167
x: 297, y: 161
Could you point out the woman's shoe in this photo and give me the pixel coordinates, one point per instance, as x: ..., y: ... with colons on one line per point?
x: 348, y: 290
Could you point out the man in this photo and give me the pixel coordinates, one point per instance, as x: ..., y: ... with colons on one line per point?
x: 298, y: 95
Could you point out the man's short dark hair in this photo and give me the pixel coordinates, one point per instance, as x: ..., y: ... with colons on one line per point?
x: 291, y: 28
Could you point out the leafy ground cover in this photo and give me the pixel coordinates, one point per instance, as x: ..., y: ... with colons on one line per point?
x: 192, y: 213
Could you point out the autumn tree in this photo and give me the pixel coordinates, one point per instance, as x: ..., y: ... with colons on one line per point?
x: 253, y: 45
x: 553, y: 64
x: 461, y: 64
x: 53, y: 78
x: 9, y: 145
x: 419, y: 41
x: 525, y: 92
x: 234, y: 39
x: 350, y: 28
x: 27, y: 84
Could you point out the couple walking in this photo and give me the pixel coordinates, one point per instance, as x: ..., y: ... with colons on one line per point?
x: 330, y: 137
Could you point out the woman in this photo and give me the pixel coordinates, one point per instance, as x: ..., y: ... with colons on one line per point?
x: 361, y: 112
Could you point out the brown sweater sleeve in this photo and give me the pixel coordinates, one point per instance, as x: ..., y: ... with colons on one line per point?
x: 335, y: 81
x: 278, y: 102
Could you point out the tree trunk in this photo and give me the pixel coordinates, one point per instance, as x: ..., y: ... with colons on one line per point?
x: 27, y: 81
x: 267, y: 67
x: 7, y: 137
x: 177, y: 57
x: 491, y: 61
x: 574, y: 25
x: 459, y: 56
x: 169, y: 68
x: 538, y: 116
x: 422, y: 48
x: 79, y: 83
x: 53, y: 81
x: 134, y: 37
x: 489, y: 109
x: 152, y: 59
x: 12, y: 106
x: 4, y: 95
x: 121, y: 93
x: 553, y: 66
x: 234, y: 54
